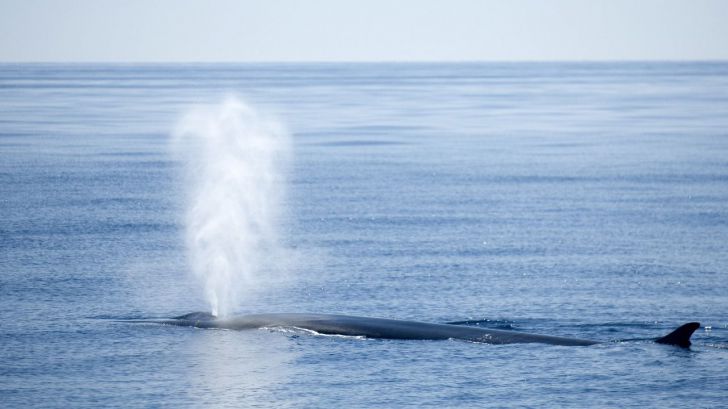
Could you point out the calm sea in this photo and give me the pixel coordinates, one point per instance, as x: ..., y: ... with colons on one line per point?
x: 585, y: 200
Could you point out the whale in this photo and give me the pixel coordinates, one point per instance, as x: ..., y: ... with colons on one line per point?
x: 383, y: 328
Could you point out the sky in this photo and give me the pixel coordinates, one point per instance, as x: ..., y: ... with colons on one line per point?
x: 363, y: 30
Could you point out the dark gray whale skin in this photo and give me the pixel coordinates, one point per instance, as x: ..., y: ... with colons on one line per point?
x: 331, y: 324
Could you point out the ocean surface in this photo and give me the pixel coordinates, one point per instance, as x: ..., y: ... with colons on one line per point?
x: 575, y: 199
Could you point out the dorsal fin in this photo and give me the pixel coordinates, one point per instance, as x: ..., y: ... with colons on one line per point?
x: 681, y: 336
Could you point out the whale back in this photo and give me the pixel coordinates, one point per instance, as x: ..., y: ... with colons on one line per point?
x: 331, y: 324
x: 196, y: 316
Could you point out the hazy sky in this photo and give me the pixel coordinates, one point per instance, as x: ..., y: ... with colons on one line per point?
x: 365, y: 30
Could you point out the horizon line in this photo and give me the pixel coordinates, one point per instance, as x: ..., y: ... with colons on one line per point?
x: 464, y: 61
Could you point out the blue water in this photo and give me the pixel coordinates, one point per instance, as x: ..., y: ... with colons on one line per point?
x: 585, y: 200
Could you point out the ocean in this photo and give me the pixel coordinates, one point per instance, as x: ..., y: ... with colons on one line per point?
x: 587, y: 200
